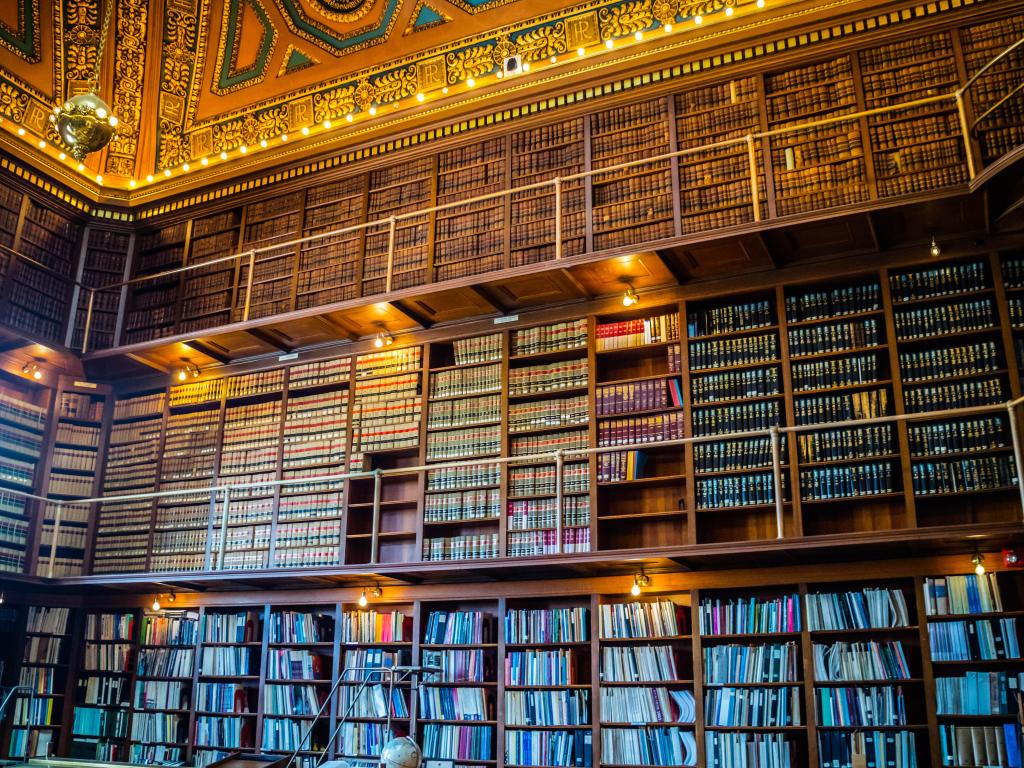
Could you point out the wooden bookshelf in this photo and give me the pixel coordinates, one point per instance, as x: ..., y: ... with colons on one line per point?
x: 101, y: 711
x: 273, y: 221
x: 73, y: 467
x: 152, y: 308
x: 207, y: 291
x: 907, y: 676
x: 40, y: 656
x: 104, y: 262
x: 25, y: 438
x: 808, y: 354
x: 329, y: 268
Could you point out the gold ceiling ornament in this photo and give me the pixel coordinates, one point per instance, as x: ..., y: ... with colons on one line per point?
x: 84, y: 122
x: 625, y: 19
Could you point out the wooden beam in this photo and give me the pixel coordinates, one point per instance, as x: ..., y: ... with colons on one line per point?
x: 417, y: 317
x: 335, y: 327
x: 271, y: 337
x: 489, y: 298
x: 206, y: 349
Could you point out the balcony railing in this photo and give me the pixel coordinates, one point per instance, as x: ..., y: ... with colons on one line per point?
x: 220, y: 495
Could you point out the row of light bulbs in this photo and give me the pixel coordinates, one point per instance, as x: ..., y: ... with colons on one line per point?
x: 326, y: 125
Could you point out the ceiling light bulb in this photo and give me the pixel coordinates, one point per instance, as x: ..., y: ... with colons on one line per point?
x: 362, y: 599
x: 186, y: 167
x: 609, y: 43
x: 327, y: 125
x: 284, y: 137
x: 629, y: 298
x: 305, y: 130
x: 420, y: 97
x: 156, y: 604
x: 243, y: 149
x: 668, y: 28
x: 263, y: 143
x: 979, y: 564
x: 728, y: 10
x: 182, y: 374
x: 131, y: 182
x: 62, y: 156
x: 526, y: 66
x: 349, y: 117
x: 760, y: 3
x: 373, y: 110
x: 379, y: 341
x: 81, y: 166
x: 223, y: 155
x: 501, y: 74
x: 553, y: 59
x: 167, y: 172
x: 638, y: 35
x: 635, y: 589
x: 934, y: 249
x: 99, y: 179
x: 444, y: 90
x: 698, y: 19
x: 581, y: 51
x: 470, y: 82
x: 42, y: 144
x: 149, y: 178
x: 21, y: 131
x: 204, y: 162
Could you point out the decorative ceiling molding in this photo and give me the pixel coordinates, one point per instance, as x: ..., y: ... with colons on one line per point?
x: 22, y: 38
x: 424, y: 16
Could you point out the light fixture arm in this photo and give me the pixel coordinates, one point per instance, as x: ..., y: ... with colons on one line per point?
x: 94, y: 82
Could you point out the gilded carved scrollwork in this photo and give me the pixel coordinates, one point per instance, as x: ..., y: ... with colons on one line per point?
x: 625, y: 18
x: 470, y: 62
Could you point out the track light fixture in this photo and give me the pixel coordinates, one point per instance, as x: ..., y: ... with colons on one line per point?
x: 362, y: 599
x: 156, y: 603
x: 934, y: 249
x: 630, y: 297
x: 32, y: 369
x: 187, y: 369
x: 979, y: 563
x: 383, y: 339
x: 376, y: 592
x: 640, y: 581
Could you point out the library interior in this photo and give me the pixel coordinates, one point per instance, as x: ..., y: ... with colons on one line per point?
x: 512, y: 384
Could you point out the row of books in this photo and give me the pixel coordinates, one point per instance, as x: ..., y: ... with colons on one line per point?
x: 547, y: 708
x: 735, y: 385
x: 728, y: 319
x: 542, y: 414
x: 974, y: 640
x: 462, y: 382
x: 824, y: 483
x: 979, y: 693
x: 857, y: 609
x: 646, y: 395
x: 473, y: 546
x: 633, y: 430
x: 478, y: 349
x: 869, y: 660
x: 758, y: 707
x: 723, y: 353
x: 947, y: 362
x: 755, y: 489
x: 861, y: 706
x: 548, y: 377
x: 980, y: 745
x: 635, y: 333
x: 850, y: 335
x: 571, y: 334
x: 672, y: 746
x: 639, y: 663
x: 963, y: 475
x: 946, y: 318
x: 464, y: 412
x: 939, y: 281
x: 641, y: 619
x: 826, y: 303
x: 869, y: 748
x: 978, y: 434
x: 752, y: 615
x: 745, y: 417
x: 845, y: 444
x: 835, y: 372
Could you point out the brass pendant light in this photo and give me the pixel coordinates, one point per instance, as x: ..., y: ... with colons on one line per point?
x: 85, y: 122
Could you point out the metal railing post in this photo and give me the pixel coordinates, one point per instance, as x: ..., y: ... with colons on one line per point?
x: 754, y: 193
x: 375, y: 531
x: 88, y: 321
x: 773, y: 435
x: 962, y: 113
x: 53, y: 539
x: 558, y: 218
x: 1018, y: 460
x: 392, y: 227
x: 559, y: 466
x: 222, y: 546
x: 248, y: 284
